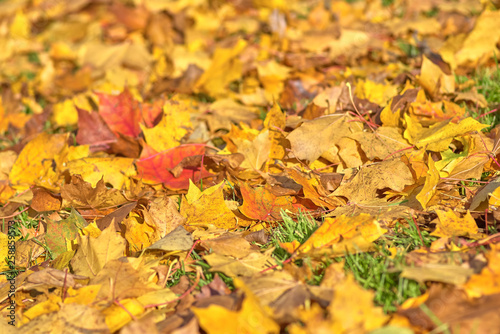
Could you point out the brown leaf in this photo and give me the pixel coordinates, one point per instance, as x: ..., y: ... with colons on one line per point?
x: 452, y: 307
x: 43, y: 200
x: 117, y: 216
x: 50, y: 277
x: 81, y: 194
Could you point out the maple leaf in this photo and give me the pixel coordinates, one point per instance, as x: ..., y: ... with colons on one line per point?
x: 121, y: 112
x: 207, y: 208
x: 261, y: 204
x: 155, y: 167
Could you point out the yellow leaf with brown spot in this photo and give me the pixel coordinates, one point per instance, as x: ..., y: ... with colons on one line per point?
x: 39, y: 162
x: 434, y: 80
x: 114, y: 170
x: 450, y: 225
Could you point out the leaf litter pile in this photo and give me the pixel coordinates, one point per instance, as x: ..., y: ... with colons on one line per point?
x: 249, y: 166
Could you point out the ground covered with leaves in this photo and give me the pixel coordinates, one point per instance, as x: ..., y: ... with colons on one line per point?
x: 206, y: 166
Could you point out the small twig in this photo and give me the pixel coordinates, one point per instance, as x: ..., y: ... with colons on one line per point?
x: 360, y: 119
x: 356, y: 108
x: 395, y: 152
x: 486, y: 220
x: 276, y: 265
x: 418, y: 230
x: 487, y: 113
x: 463, y: 180
x: 495, y: 238
x: 125, y: 309
x: 64, y: 290
x: 192, y: 249
x: 15, y: 214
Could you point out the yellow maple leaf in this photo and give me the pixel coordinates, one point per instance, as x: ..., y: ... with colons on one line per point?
x: 174, y: 125
x: 39, y: 162
x: 207, y: 208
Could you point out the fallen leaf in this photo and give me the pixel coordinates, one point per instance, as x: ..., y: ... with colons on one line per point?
x: 111, y: 170
x: 246, y: 266
x: 484, y: 283
x: 80, y: 193
x: 259, y: 203
x: 431, y: 182
x: 93, y: 253
x: 120, y: 112
x: 343, y: 234
x: 62, y: 231
x: 252, y: 318
x: 177, y: 240
x: 449, y: 224
x: 312, y: 139
x: 40, y: 162
x: 153, y: 167
x: 392, y: 174
x: 207, y: 208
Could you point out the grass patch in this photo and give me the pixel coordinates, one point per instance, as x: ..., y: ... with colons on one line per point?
x: 21, y: 220
x: 378, y: 270
x: 7, y: 141
x: 290, y: 230
x: 487, y: 83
